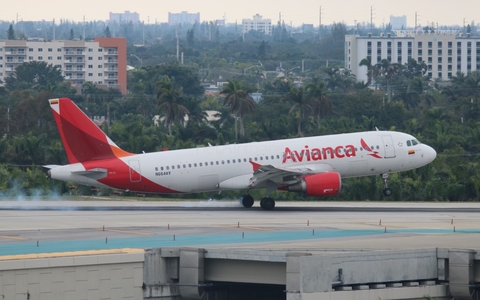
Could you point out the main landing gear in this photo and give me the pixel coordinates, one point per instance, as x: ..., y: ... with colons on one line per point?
x: 386, y: 190
x: 266, y: 203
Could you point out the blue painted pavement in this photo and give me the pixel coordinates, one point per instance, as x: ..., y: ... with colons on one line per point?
x: 30, y: 247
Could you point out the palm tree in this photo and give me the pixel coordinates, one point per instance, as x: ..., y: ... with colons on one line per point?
x: 367, y: 62
x: 240, y: 102
x: 301, y: 106
x: 389, y: 71
x: 170, y: 102
x: 322, y: 105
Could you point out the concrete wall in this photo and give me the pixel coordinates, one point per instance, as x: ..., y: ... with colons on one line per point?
x: 112, y: 276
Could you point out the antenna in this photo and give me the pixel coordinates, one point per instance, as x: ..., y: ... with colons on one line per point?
x: 371, y: 18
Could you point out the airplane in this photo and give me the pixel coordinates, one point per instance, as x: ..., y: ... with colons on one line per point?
x: 314, y: 166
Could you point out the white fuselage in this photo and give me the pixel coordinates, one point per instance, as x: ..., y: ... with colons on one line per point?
x: 231, y: 167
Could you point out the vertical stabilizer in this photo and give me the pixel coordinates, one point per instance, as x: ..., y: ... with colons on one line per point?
x: 82, y: 139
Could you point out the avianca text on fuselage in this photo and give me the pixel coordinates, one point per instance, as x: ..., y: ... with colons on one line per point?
x: 315, y: 154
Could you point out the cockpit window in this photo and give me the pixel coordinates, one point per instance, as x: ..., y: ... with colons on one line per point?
x: 409, y: 143
x: 414, y: 142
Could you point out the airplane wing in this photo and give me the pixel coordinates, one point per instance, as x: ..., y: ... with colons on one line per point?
x: 284, y: 176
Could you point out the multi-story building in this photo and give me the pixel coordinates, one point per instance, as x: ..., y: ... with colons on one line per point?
x: 257, y: 24
x: 183, y: 18
x: 445, y: 52
x: 126, y: 17
x: 102, y: 61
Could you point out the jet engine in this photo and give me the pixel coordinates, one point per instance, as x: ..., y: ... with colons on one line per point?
x: 320, y: 185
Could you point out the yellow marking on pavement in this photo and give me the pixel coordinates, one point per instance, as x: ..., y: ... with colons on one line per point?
x: 73, y: 253
x: 12, y: 237
x: 122, y: 231
x: 248, y: 227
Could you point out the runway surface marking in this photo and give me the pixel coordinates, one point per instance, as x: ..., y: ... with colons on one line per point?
x: 12, y: 237
x: 247, y: 227
x: 72, y: 253
x: 122, y: 231
x: 203, y: 240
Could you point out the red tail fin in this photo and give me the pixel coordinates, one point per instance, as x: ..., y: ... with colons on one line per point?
x: 82, y: 139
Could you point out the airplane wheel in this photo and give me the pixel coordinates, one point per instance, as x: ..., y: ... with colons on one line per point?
x: 267, y: 203
x: 247, y: 201
x: 387, y: 192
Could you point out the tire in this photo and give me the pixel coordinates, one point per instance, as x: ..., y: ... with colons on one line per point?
x: 247, y: 201
x: 267, y: 203
x: 387, y: 192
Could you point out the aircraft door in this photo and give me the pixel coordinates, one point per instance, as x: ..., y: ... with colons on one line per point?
x: 135, y: 174
x: 389, y: 147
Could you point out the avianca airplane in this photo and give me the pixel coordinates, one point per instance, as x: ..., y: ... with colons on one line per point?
x: 311, y: 165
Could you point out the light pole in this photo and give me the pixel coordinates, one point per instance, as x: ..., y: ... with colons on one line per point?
x: 139, y: 59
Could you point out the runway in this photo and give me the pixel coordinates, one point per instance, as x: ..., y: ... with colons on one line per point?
x: 95, y: 224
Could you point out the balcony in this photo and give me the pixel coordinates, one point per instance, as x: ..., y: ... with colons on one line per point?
x: 112, y: 61
x: 111, y: 52
x: 111, y: 77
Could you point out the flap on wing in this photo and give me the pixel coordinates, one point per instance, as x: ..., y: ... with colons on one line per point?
x: 268, y: 172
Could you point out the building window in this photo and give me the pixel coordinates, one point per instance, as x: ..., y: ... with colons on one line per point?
x: 40, y: 49
x: 100, y: 66
x: 29, y: 58
x: 30, y: 49
x: 449, y: 75
x: 90, y: 58
x: 439, y: 74
x: 100, y: 58
x: 450, y: 44
x: 100, y: 74
x: 100, y: 50
x: 50, y: 58
x: 449, y: 67
x: 440, y: 67
x: 399, y: 44
x: 90, y: 50
x: 90, y: 74
x: 50, y: 49
x: 439, y: 51
x: 419, y: 45
x: 379, y: 44
x: 429, y: 60
x: 59, y: 49
x: 449, y: 60
x: 420, y: 59
x: 90, y: 66
x: 450, y: 52
x: 40, y: 58
x: 439, y: 60
x: 430, y: 52
x: 430, y: 45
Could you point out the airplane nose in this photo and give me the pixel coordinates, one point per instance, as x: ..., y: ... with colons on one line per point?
x: 431, y: 153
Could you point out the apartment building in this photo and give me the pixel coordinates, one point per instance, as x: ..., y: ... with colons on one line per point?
x: 445, y: 52
x: 125, y: 17
x: 183, y: 18
x: 257, y: 24
x: 102, y: 61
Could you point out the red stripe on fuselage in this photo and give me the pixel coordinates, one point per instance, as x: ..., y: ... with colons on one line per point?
x: 119, y: 177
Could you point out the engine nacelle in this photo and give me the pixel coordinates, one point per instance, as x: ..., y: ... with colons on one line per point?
x: 320, y: 185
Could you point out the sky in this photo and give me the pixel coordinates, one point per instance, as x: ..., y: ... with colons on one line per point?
x: 298, y: 12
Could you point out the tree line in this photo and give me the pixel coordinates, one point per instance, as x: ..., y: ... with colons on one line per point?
x: 325, y: 100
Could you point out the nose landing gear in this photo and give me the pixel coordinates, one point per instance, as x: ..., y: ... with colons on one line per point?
x: 386, y: 190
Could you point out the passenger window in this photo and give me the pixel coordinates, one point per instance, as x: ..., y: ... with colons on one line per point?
x: 173, y: 167
x: 233, y: 160
x: 261, y: 157
x: 228, y: 161
x: 168, y: 168
x: 189, y: 165
x: 272, y: 157
x: 409, y: 144
x: 184, y: 166
x: 195, y: 165
x: 161, y: 168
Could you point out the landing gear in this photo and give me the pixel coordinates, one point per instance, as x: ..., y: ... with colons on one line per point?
x: 247, y: 201
x: 386, y: 191
x: 267, y: 203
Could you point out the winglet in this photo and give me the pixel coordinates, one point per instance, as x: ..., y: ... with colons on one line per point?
x: 82, y: 139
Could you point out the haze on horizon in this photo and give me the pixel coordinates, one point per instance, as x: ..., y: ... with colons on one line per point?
x: 441, y: 12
